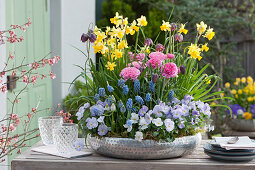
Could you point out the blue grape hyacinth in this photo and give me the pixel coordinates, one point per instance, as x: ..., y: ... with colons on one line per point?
x: 110, y: 88
x: 101, y: 92
x: 148, y: 97
x: 151, y: 86
x: 139, y: 99
x: 125, y: 90
x: 129, y: 104
x: 170, y: 95
x: 137, y: 86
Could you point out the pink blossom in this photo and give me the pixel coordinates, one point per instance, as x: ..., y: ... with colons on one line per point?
x: 130, y: 73
x: 140, y: 57
x: 131, y: 56
x: 136, y: 64
x: 12, y: 127
x: 52, y: 76
x: 11, y: 56
x: 170, y: 56
x: 154, y: 62
x: 157, y: 55
x: 169, y: 70
x: 4, y: 89
x: 25, y: 79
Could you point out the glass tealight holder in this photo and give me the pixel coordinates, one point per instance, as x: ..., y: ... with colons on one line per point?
x: 65, y: 137
x: 46, y: 126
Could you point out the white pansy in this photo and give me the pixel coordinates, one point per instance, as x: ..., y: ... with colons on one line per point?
x: 240, y: 112
x: 101, y: 119
x: 143, y: 124
x: 139, y: 136
x: 134, y: 117
x: 157, y: 122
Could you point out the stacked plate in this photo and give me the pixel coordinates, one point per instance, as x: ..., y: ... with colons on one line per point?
x: 215, y: 151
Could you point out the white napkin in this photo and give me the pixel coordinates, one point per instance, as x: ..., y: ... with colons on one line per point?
x: 244, y: 142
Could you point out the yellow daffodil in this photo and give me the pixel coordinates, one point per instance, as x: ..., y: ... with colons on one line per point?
x: 118, y: 53
x: 100, y: 36
x: 233, y: 91
x: 108, y: 29
x: 142, y: 21
x: 222, y: 94
x: 110, y: 66
x: 243, y: 79
x: 116, y: 19
x: 213, y: 103
x: 250, y: 99
x: 182, y: 29
x: 227, y: 85
x: 209, y: 34
x: 208, y: 81
x: 236, y: 83
x: 98, y: 47
x: 236, y: 96
x: 254, y: 98
x: 201, y: 27
x: 125, y: 21
x: 165, y: 26
x: 249, y: 80
x: 238, y: 80
x: 247, y: 115
x: 194, y: 51
x: 240, y: 91
x: 122, y: 44
x: 145, y: 49
x: 204, y: 47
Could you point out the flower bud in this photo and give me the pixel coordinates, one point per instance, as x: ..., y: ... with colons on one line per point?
x: 148, y: 42
x: 92, y: 37
x: 173, y: 26
x: 170, y: 56
x: 159, y: 47
x: 154, y: 78
x: 183, y: 69
x: 178, y: 37
x: 84, y: 37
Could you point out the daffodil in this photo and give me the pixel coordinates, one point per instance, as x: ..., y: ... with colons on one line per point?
x: 194, y: 51
x: 98, y: 47
x: 209, y: 34
x: 142, y: 21
x: 100, y: 36
x: 116, y: 19
x: 118, y: 53
x: 236, y: 96
x: 233, y: 91
x: 240, y: 91
x: 204, y: 47
x: 110, y: 66
x: 122, y: 44
x: 249, y: 80
x: 201, y: 27
x: 165, y: 26
x: 243, y: 79
x: 182, y: 29
x: 247, y: 115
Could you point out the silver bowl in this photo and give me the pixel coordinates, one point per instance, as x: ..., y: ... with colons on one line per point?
x: 242, y: 125
x: 127, y: 148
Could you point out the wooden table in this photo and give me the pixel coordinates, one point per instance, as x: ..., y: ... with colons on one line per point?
x: 198, y: 160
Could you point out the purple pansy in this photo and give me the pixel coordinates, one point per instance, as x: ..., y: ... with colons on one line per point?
x: 157, y: 110
x: 102, y: 129
x: 91, y: 123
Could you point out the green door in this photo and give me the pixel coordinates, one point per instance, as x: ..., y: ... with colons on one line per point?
x: 35, y: 46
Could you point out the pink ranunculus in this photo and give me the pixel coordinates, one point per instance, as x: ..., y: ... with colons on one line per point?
x: 140, y: 57
x: 130, y: 73
x: 169, y: 70
x: 157, y: 55
x: 170, y: 56
x: 131, y: 56
x: 154, y: 62
x: 136, y: 64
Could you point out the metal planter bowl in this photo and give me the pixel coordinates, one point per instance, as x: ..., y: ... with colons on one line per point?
x: 242, y: 125
x: 127, y: 148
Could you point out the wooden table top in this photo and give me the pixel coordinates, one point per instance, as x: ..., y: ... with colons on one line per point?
x: 198, y: 160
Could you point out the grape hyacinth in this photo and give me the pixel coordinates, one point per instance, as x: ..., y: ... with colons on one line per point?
x: 137, y: 86
x: 139, y: 100
x: 96, y: 97
x: 125, y: 89
x: 151, y: 86
x: 101, y: 92
x: 110, y: 88
x: 148, y: 97
x: 121, y: 83
x: 129, y: 104
x: 170, y: 95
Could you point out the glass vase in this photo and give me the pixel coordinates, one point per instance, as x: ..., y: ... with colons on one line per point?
x: 46, y: 126
x: 65, y: 137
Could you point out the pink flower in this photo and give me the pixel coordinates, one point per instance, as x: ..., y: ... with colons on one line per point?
x: 140, y: 57
x: 154, y: 62
x: 136, y: 64
x: 11, y: 56
x: 131, y: 56
x: 169, y: 70
x: 170, y: 56
x: 12, y: 127
x: 130, y: 73
x: 4, y: 89
x: 157, y: 55
x: 52, y: 75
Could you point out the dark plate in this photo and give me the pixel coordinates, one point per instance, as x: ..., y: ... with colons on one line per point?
x: 218, y: 148
x: 219, y: 151
x: 230, y: 158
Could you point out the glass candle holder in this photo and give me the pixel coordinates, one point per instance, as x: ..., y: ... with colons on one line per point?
x: 64, y: 138
x: 46, y: 126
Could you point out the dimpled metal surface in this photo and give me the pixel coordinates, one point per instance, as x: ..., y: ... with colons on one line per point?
x: 147, y: 149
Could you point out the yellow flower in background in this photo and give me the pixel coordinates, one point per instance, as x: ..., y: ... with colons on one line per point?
x: 247, y: 115
x: 253, y: 98
x: 110, y: 66
x: 125, y: 21
x: 227, y: 85
x: 201, y: 27
x: 238, y: 80
x: 236, y: 83
x: 243, y: 79
x: 250, y: 99
x: 245, y: 90
x: 222, y: 95
x: 142, y: 21
x: 116, y: 19
x: 209, y: 34
x: 165, y: 26
x: 240, y: 91
x: 204, y: 47
x: 213, y: 103
x: 236, y: 96
x: 100, y: 36
x: 249, y: 80
x: 233, y: 91
x: 182, y: 29
x: 208, y: 81
x: 133, y: 27
x: 145, y: 49
x: 194, y: 51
